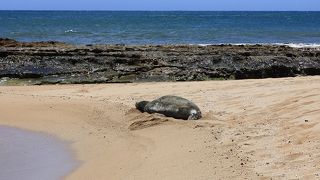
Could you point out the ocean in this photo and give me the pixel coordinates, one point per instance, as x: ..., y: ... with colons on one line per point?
x: 168, y: 27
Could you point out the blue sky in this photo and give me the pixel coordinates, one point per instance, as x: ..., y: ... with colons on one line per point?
x: 253, y: 5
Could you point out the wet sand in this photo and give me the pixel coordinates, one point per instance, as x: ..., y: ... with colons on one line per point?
x: 30, y: 156
x: 254, y: 129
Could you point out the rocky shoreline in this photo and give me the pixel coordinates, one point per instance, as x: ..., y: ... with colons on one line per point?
x: 60, y: 63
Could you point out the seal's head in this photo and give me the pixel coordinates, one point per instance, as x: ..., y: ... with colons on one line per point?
x: 140, y: 105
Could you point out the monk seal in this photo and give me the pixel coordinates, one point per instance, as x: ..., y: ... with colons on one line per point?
x: 171, y: 106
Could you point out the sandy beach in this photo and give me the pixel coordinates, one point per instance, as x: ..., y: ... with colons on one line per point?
x: 254, y: 129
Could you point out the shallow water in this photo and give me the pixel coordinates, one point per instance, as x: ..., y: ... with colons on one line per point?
x: 31, y: 156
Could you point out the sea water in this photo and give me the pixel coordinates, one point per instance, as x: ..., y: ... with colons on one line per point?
x: 32, y: 156
x: 162, y: 27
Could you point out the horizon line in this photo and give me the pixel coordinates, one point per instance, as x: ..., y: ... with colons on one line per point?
x: 163, y: 10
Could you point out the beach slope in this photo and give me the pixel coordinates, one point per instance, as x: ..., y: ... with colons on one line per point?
x: 254, y: 129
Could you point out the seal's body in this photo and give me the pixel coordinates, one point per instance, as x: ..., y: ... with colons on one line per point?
x: 171, y: 106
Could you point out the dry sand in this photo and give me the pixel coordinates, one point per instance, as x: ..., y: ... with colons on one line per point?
x: 252, y: 129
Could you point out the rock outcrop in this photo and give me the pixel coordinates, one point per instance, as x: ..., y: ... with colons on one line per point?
x: 55, y: 62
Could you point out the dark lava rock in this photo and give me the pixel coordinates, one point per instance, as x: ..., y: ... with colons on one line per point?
x: 56, y: 62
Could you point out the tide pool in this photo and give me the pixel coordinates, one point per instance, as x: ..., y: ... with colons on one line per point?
x: 33, y: 156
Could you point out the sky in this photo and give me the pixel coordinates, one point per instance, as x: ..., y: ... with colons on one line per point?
x: 211, y: 5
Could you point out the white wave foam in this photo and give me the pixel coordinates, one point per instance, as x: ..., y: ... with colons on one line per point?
x: 70, y: 31
x: 205, y: 44
x: 3, y: 80
x: 300, y: 45
x: 293, y: 45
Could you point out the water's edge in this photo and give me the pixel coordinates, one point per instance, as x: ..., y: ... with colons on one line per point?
x: 32, y: 155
